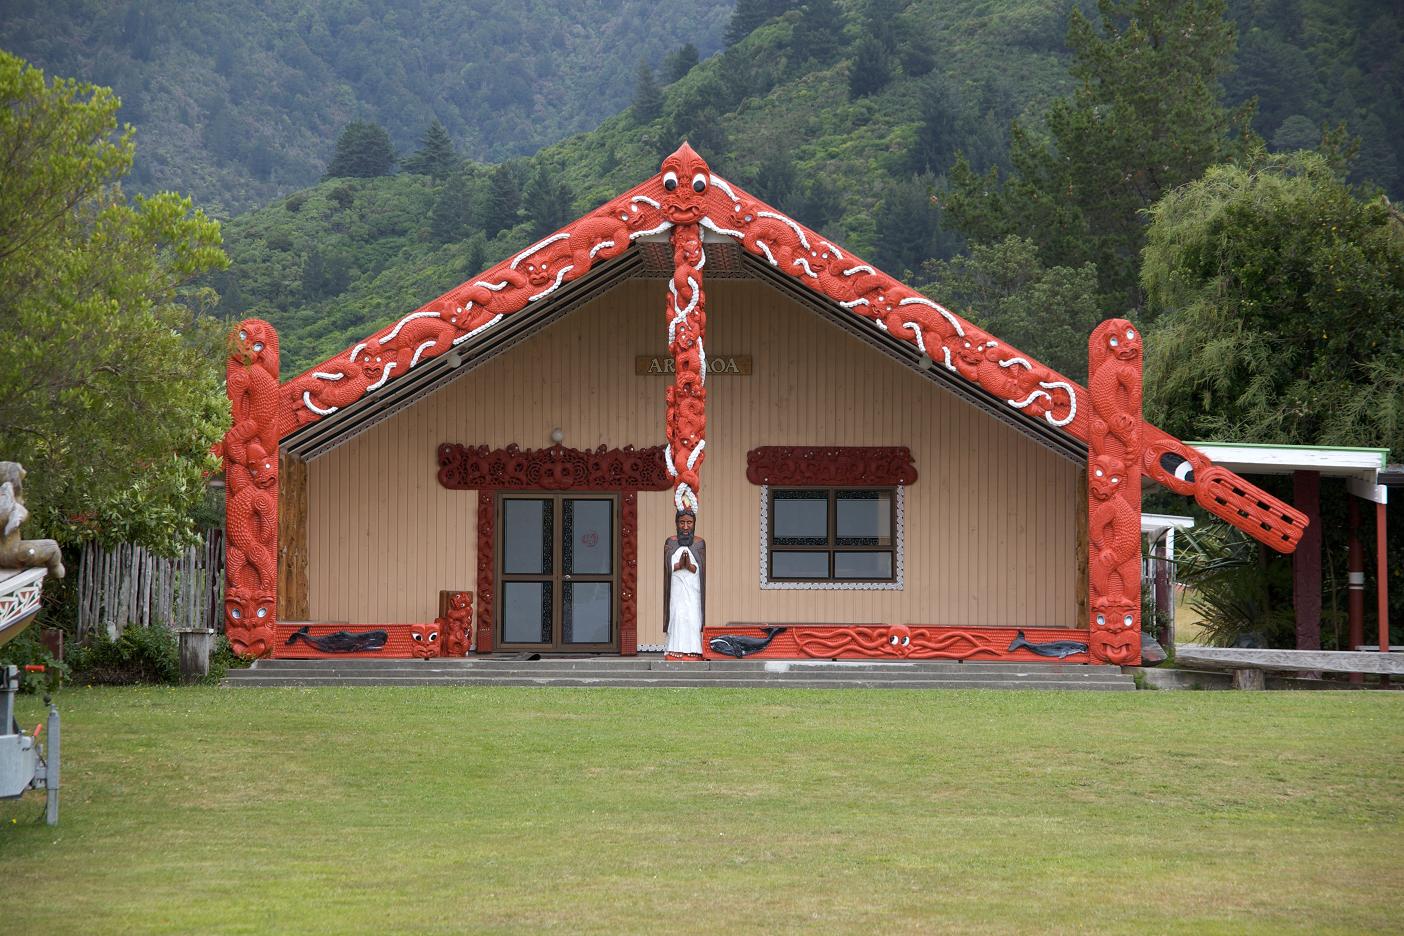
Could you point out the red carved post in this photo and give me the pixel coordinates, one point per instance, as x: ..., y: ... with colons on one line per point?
x: 628, y: 573
x: 455, y: 623
x: 250, y: 455
x: 685, y: 181
x: 487, y: 520
x: 1114, y: 493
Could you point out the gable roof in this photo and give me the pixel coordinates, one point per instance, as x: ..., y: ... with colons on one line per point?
x: 482, y: 317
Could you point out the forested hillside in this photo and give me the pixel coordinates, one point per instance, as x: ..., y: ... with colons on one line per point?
x: 853, y: 130
x: 238, y: 101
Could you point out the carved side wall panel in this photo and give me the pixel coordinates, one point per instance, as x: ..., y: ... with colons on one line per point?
x: 1114, y: 492
x: 629, y: 573
x: 893, y: 642
x: 487, y: 591
x: 250, y: 455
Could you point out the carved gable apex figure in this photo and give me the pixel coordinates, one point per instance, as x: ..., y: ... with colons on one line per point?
x: 16, y: 553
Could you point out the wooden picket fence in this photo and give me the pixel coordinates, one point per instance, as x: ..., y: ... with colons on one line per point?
x: 125, y: 585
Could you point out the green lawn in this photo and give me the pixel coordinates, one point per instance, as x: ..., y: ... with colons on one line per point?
x: 453, y: 810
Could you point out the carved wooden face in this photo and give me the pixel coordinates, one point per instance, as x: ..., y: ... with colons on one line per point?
x: 1105, y: 476
x: 685, y: 181
x: 1124, y: 344
x: 262, y: 467
x: 248, y: 621
x: 255, y: 342
x: 1115, y: 634
x: 899, y: 640
x: 426, y: 640
x: 460, y: 601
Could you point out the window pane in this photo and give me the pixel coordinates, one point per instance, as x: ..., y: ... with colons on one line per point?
x: 863, y: 565
x: 864, y: 518
x: 526, y: 536
x: 800, y: 518
x: 587, y: 537
x: 587, y: 610
x: 799, y: 565
x: 526, y: 612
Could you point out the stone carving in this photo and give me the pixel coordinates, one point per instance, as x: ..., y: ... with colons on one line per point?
x: 830, y: 466
x: 1114, y: 493
x: 250, y: 455
x: 16, y: 553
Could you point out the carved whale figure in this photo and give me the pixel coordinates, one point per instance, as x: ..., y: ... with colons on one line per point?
x: 1052, y: 648
x: 739, y: 645
x: 341, y: 641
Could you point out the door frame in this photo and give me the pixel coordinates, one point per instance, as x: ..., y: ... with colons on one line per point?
x: 558, y: 575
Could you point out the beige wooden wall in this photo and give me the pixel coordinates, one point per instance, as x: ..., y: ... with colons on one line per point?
x: 989, y: 522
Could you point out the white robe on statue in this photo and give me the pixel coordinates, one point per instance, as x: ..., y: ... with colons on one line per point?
x: 684, y: 606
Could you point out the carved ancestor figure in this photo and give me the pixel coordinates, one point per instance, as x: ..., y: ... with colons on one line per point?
x: 684, y: 589
x: 16, y: 553
x: 426, y: 640
x: 1114, y: 493
x: 456, y: 624
x: 250, y: 455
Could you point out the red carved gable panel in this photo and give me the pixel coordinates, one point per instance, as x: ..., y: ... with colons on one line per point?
x: 830, y: 466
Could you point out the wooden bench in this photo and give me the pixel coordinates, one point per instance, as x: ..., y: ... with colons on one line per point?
x: 1249, y: 665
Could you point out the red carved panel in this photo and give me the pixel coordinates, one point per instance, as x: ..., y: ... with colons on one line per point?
x: 628, y: 573
x: 903, y: 642
x: 487, y: 521
x: 249, y: 452
x: 424, y: 640
x: 830, y: 466
x: 475, y: 468
x: 1114, y: 492
x: 399, y: 643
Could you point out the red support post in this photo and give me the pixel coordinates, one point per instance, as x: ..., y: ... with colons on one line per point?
x: 1382, y: 581
x: 1114, y: 448
x: 1306, y: 561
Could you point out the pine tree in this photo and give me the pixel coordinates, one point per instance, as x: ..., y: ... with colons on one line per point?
x: 677, y: 63
x: 547, y: 199
x: 752, y: 13
x: 449, y: 216
x: 818, y: 35
x: 503, y: 201
x: 436, y: 156
x: 648, y: 97
x: 871, y: 68
x: 363, y: 151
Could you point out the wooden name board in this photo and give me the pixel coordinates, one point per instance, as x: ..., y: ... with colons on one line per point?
x: 661, y: 365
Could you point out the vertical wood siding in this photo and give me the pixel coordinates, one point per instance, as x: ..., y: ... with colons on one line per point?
x: 990, y: 522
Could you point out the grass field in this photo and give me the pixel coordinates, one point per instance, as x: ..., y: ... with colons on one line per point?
x: 500, y: 810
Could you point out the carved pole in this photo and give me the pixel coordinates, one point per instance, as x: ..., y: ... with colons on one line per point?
x: 685, y: 181
x: 1114, y: 493
x: 250, y: 455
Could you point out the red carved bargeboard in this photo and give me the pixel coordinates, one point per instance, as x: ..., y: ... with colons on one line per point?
x: 626, y: 470
x: 830, y: 466
x: 473, y: 468
x: 1114, y: 492
x: 249, y: 452
x: 951, y: 342
x: 895, y: 642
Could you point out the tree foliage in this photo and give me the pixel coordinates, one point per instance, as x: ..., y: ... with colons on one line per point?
x: 363, y: 151
x: 109, y: 384
x: 677, y: 63
x: 1006, y: 289
x: 648, y: 97
x: 1281, y: 296
x: 1147, y: 116
x: 436, y: 156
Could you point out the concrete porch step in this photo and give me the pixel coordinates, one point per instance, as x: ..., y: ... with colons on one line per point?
x: 655, y: 672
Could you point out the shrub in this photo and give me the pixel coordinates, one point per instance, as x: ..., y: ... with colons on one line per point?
x: 140, y: 655
x: 28, y: 649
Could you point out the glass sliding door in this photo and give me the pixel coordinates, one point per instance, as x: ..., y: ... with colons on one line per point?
x: 558, y: 572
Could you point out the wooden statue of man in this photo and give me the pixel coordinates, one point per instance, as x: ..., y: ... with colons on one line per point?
x: 684, y: 588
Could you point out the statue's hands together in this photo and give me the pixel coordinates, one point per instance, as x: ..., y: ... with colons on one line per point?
x: 684, y: 563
